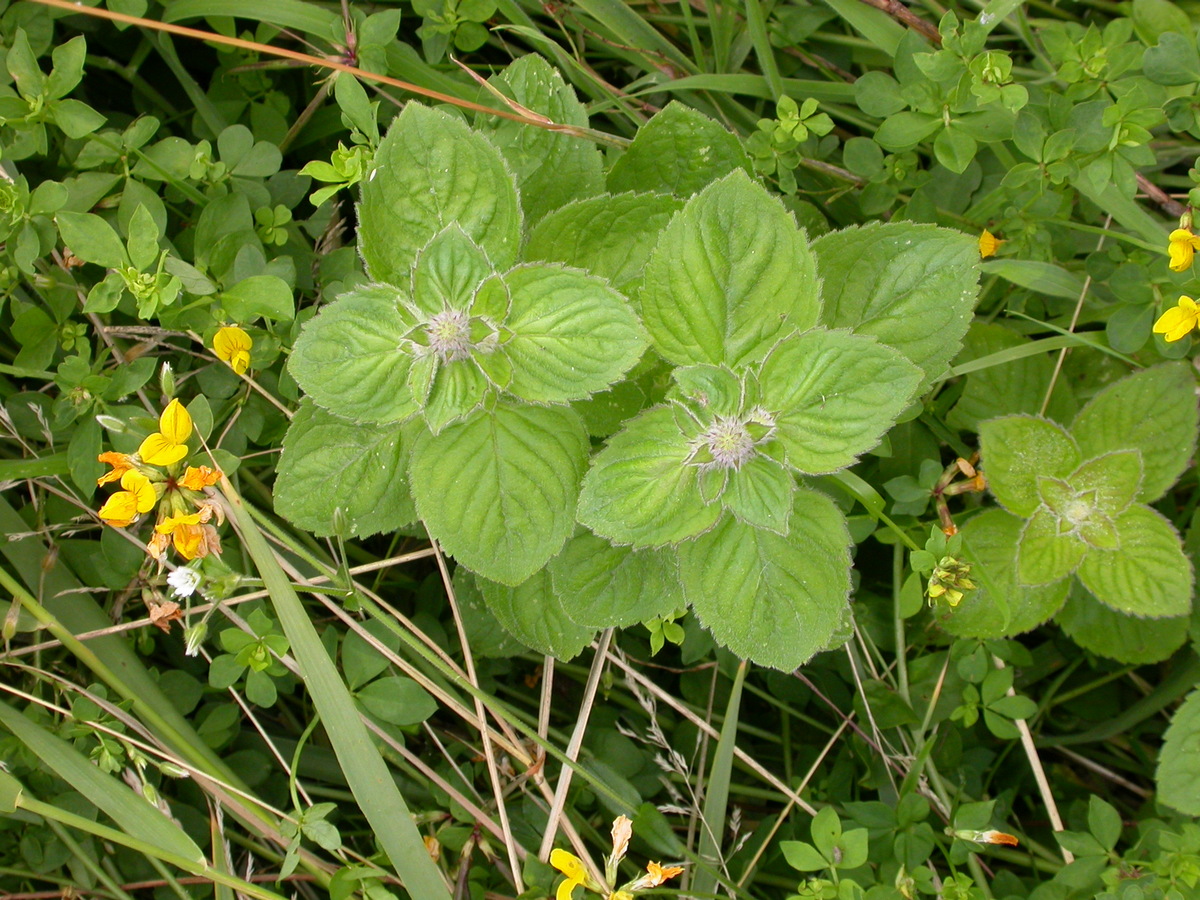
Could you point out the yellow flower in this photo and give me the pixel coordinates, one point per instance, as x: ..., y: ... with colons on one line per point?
x: 120, y: 462
x: 233, y: 346
x: 124, y: 506
x: 1179, y: 320
x: 1182, y: 246
x: 572, y: 867
x: 186, y: 533
x: 988, y: 244
x: 169, y: 444
x: 198, y: 478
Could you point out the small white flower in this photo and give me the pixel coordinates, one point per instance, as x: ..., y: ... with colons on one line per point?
x: 183, y: 581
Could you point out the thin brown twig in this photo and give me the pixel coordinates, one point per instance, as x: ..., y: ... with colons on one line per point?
x: 906, y: 16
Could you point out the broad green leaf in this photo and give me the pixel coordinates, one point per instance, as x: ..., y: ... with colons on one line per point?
x: 447, y: 272
x: 603, y: 586
x: 533, y: 614
x: 1174, y: 60
x: 1010, y: 386
x: 498, y: 489
x: 1016, y: 450
x: 259, y: 295
x: 1110, y: 482
x: 572, y: 335
x: 999, y: 607
x: 730, y: 275
x: 91, y: 239
x: 432, y: 170
x: 759, y: 493
x: 397, y: 700
x: 458, y: 389
x: 678, y: 152
x: 1045, y: 553
x: 137, y: 817
x: 76, y: 118
x: 349, y: 357
x: 774, y: 600
x: 1154, y: 18
x: 911, y: 286
x: 906, y: 129
x: 360, y: 660
x: 1153, y: 411
x: 330, y: 464
x: 608, y: 236
x: 1178, y: 775
x: 641, y: 490
x: 551, y: 169
x: 824, y: 390
x: 1127, y: 639
x: 1149, y: 576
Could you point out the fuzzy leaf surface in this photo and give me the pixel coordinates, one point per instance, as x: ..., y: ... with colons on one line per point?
x: 498, y: 489
x: 640, y: 489
x: 731, y: 274
x: 1127, y: 639
x: 1153, y: 411
x: 1016, y: 450
x: 824, y: 388
x: 678, y: 152
x: 603, y: 586
x: 572, y: 335
x: 329, y: 463
x: 533, y: 614
x: 348, y: 357
x: 999, y: 607
x: 1149, y: 576
x: 911, y: 286
x: 772, y: 599
x: 432, y: 170
x: 1178, y: 776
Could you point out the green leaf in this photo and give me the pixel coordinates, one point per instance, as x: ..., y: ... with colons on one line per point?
x: 448, y: 271
x: 1178, y: 774
x: 397, y: 700
x: 1149, y: 575
x: 1174, y: 60
x: 1110, y: 482
x: 551, y: 169
x: 905, y: 130
x: 432, y: 170
x: 1127, y: 639
x: 1018, y: 449
x: 259, y: 295
x: 679, y: 152
x: 143, y: 239
x: 533, y: 614
x: 1104, y: 822
x: 911, y: 286
x: 803, y: 857
x: 759, y: 493
x: 139, y: 819
x: 459, y: 387
x: 823, y: 389
x: 330, y: 464
x: 1046, y: 553
x: 999, y: 607
x: 1153, y: 411
x: 1043, y: 277
x: 774, y: 600
x: 1152, y: 19
x: 349, y: 357
x: 1016, y: 385
x: 878, y: 94
x: 498, y: 489
x: 485, y: 634
x: 76, y: 118
x: 719, y: 293
x: 641, y: 490
x: 572, y: 335
x: 954, y: 149
x: 91, y: 239
x: 360, y: 660
x: 608, y: 236
x: 603, y: 586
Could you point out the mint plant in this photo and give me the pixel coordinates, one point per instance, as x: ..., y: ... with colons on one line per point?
x: 463, y: 382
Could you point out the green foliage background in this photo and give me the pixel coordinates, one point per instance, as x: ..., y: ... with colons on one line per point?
x: 667, y: 323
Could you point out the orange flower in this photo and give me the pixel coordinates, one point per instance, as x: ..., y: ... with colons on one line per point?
x: 168, y: 445
x: 197, y: 478
x: 120, y: 462
x: 124, y: 506
x: 988, y: 244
